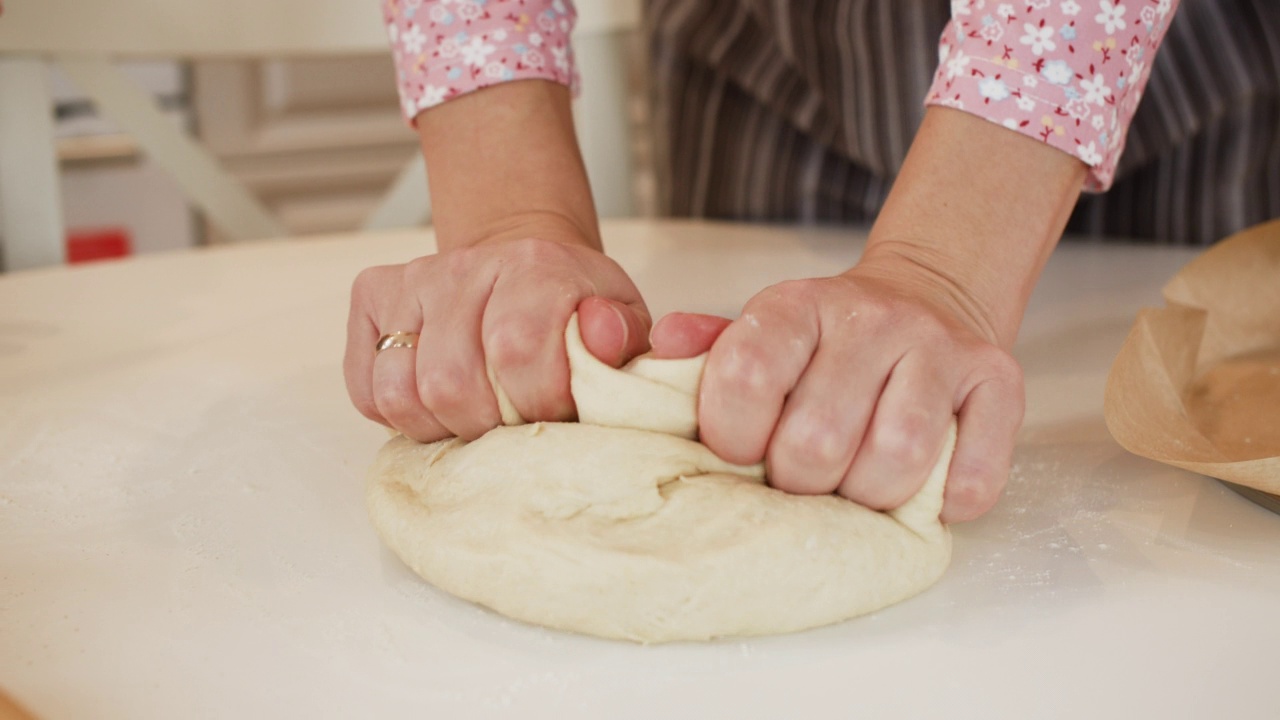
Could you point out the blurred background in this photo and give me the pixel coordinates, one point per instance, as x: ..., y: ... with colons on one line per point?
x: 318, y: 141
x: 293, y: 100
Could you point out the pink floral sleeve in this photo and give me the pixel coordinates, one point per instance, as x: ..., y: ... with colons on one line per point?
x: 1067, y: 72
x: 445, y: 48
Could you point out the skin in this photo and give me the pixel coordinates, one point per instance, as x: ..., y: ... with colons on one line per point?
x: 842, y: 384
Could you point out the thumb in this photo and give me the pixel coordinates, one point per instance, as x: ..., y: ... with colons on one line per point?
x: 685, y: 335
x: 612, y: 331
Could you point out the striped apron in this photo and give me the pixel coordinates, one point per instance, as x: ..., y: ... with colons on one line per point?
x: 803, y: 110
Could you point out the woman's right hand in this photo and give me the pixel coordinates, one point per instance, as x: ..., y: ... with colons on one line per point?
x: 519, y: 253
x: 500, y: 305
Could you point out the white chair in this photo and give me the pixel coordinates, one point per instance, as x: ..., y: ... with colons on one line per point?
x: 84, y: 38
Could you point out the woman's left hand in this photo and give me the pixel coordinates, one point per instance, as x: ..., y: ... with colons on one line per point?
x: 847, y: 384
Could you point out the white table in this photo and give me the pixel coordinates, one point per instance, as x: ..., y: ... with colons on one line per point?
x: 183, y: 534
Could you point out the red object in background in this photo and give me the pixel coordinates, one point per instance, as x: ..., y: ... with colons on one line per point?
x: 100, y: 244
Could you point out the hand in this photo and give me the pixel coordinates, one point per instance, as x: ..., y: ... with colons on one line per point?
x: 520, y: 251
x: 501, y: 304
x: 847, y: 384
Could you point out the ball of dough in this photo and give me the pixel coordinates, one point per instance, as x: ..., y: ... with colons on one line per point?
x: 622, y: 526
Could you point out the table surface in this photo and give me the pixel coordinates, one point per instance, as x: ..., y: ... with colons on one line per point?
x: 183, y: 533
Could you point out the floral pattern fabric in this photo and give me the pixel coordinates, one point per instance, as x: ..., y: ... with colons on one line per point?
x: 446, y: 48
x: 1067, y: 72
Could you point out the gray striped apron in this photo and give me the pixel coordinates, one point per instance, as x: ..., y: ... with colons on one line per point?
x: 803, y: 110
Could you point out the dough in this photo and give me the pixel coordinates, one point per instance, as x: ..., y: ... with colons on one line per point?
x: 624, y: 526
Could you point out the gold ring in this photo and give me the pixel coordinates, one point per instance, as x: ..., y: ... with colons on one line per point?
x: 396, y: 340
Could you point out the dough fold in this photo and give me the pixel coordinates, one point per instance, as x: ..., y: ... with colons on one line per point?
x: 624, y: 526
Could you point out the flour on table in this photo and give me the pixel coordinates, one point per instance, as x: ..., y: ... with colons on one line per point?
x: 624, y: 526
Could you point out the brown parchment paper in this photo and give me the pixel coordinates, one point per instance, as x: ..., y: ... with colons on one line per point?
x: 1197, y: 383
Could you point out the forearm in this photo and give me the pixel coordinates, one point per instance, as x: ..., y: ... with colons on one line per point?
x: 979, y: 209
x: 504, y: 162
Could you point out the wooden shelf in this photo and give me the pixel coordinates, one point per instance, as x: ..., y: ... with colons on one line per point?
x: 97, y: 148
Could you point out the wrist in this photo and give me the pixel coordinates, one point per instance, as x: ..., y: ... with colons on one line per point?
x: 504, y: 161
x: 542, y: 225
x: 916, y: 269
x: 973, y: 217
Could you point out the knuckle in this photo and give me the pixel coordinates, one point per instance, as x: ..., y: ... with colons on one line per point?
x: 442, y: 388
x: 512, y: 344
x: 790, y: 293
x: 905, y: 442
x: 752, y: 365
x: 748, y: 370
x: 812, y: 442
x: 419, y: 270
x: 367, y: 281
x: 807, y: 463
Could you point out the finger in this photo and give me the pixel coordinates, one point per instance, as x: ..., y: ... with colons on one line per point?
x: 753, y: 365
x: 362, y: 335
x: 686, y: 335
x: 612, y: 331
x: 395, y: 392
x: 452, y: 378
x: 824, y: 419
x: 989, y: 421
x: 522, y: 335
x: 524, y: 322
x: 905, y: 435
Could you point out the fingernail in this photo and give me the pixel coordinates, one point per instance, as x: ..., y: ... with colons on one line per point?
x: 626, y: 331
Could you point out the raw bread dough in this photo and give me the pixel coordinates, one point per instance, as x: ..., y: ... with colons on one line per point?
x: 623, y: 526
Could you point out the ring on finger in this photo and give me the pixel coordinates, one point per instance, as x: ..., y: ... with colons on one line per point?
x: 399, y: 339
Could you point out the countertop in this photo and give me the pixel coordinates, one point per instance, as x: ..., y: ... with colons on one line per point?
x: 183, y: 532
